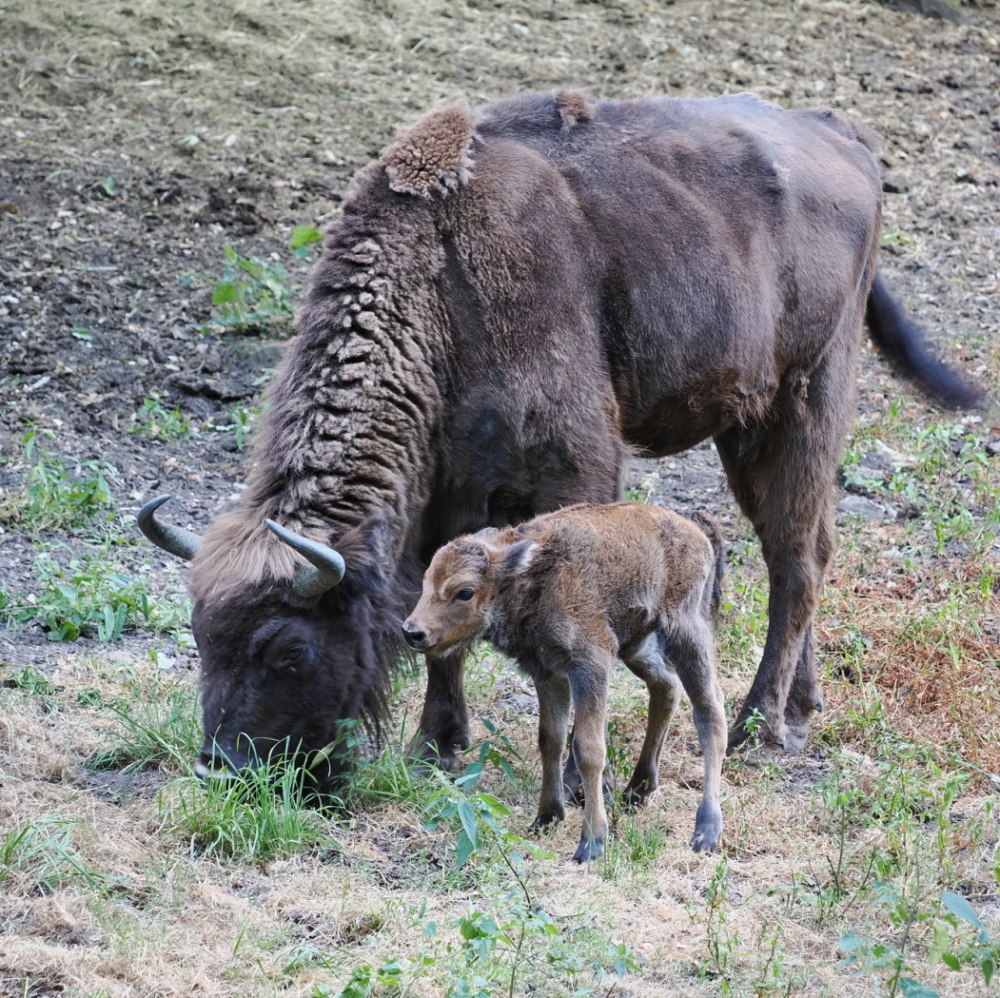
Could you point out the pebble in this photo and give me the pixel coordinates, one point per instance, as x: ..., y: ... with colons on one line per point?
x: 860, y: 506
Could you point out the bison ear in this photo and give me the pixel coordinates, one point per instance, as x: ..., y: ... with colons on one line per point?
x: 518, y: 557
x: 367, y: 550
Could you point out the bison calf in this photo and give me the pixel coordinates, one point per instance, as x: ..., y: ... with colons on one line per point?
x: 569, y: 593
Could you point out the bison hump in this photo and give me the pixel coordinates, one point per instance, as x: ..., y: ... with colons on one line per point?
x: 433, y: 155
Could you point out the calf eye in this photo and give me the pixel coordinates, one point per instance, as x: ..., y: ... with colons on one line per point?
x: 465, y: 594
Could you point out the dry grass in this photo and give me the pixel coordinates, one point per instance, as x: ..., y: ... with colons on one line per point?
x: 103, y: 894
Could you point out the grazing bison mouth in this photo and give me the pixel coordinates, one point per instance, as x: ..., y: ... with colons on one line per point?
x: 319, y: 772
x: 288, y: 663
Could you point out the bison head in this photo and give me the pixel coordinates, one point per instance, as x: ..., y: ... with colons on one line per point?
x: 461, y: 587
x: 286, y: 662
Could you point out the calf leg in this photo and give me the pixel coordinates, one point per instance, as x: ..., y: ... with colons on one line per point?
x: 782, y: 475
x: 689, y: 647
x: 444, y: 722
x: 553, y: 723
x: 589, y: 683
x: 648, y: 664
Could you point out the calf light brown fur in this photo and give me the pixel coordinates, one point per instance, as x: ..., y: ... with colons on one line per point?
x: 570, y: 593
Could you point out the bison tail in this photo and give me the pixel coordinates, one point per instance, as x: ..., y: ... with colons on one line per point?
x: 713, y: 532
x: 907, y: 352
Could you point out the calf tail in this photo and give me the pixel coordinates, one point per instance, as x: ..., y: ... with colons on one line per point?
x: 713, y: 532
x: 906, y: 350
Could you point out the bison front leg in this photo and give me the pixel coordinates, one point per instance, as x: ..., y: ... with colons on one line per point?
x: 444, y: 722
x: 782, y: 475
x: 804, y: 698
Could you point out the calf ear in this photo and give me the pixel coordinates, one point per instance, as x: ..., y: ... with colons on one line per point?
x: 518, y: 557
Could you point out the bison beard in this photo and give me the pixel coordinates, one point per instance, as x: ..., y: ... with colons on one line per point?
x: 513, y: 297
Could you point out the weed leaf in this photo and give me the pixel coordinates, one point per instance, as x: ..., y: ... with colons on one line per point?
x: 957, y: 905
x: 910, y: 988
x: 303, y: 235
x: 225, y: 291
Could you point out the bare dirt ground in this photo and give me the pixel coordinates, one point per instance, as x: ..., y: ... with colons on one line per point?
x: 138, y: 139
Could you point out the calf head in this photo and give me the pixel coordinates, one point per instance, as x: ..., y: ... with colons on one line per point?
x: 461, y: 588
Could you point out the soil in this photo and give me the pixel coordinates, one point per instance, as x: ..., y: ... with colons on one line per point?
x: 139, y: 139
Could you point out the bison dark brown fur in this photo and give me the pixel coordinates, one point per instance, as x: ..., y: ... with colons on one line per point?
x: 570, y: 594
x: 514, y: 297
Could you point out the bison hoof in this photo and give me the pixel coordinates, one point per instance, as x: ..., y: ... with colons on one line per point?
x: 546, y: 818
x: 755, y: 740
x: 636, y: 796
x: 796, y: 738
x: 588, y: 849
x: 426, y: 757
x: 707, y: 827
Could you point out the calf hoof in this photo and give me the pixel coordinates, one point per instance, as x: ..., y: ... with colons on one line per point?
x: 707, y: 827
x: 797, y: 728
x: 588, y: 849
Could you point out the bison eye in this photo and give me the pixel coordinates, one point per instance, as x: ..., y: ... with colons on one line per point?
x: 294, y: 654
x: 465, y: 594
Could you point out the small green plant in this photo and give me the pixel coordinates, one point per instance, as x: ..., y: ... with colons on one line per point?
x: 953, y: 946
x: 31, y: 682
x: 157, y: 423
x: 475, y: 818
x: 889, y: 962
x: 499, y: 752
x: 157, y: 724
x: 643, y: 492
x: 29, y: 679
x: 631, y: 846
x: 244, y: 419
x: 87, y: 596
x: 43, y: 853
x: 253, y: 295
x: 303, y: 236
x: 260, y: 815
x: 60, y: 495
x: 721, y: 943
x: 495, y: 950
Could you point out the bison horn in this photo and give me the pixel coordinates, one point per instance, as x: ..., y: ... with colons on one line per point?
x: 176, y: 540
x: 328, y: 565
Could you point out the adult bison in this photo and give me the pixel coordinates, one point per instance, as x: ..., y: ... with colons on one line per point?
x: 514, y: 297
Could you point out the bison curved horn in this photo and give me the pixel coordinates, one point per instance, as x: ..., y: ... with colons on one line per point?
x: 176, y: 540
x: 328, y: 565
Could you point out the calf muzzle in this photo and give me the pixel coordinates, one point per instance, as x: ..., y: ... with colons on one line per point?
x: 414, y: 636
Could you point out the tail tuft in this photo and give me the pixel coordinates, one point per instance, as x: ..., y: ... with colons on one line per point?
x: 713, y: 532
x: 906, y: 350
